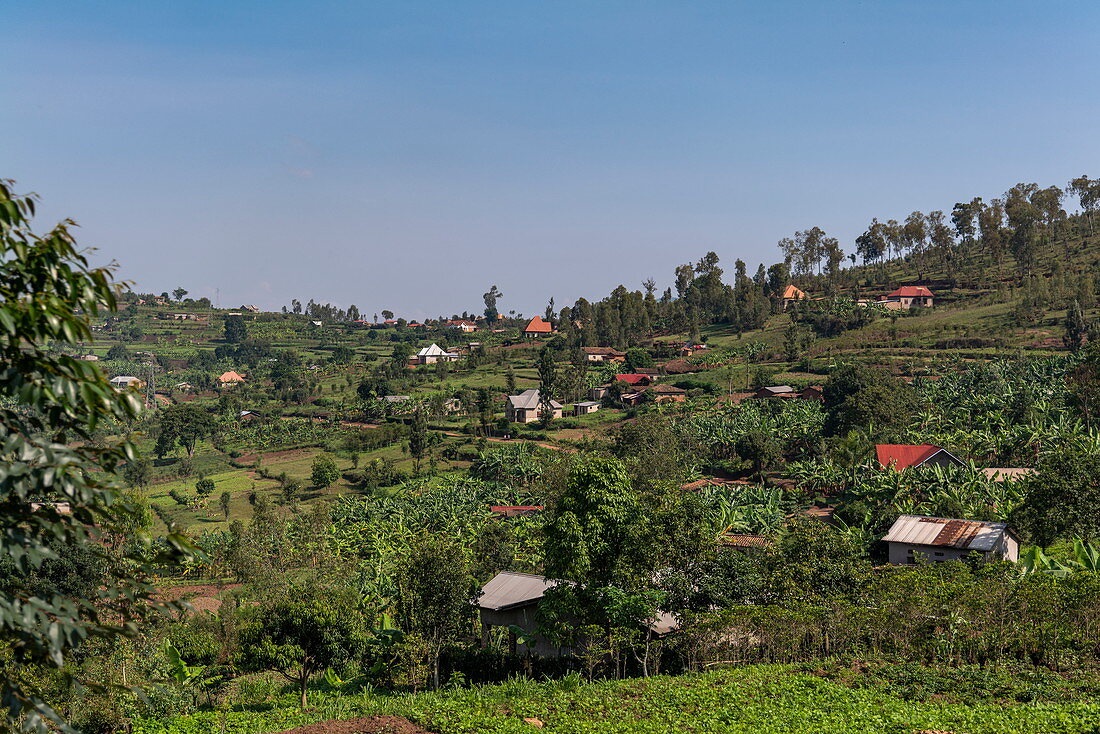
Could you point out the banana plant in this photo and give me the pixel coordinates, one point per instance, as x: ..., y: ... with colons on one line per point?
x: 1086, y: 557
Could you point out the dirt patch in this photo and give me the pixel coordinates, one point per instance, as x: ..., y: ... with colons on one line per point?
x: 275, y: 457
x: 364, y: 725
x: 202, y: 598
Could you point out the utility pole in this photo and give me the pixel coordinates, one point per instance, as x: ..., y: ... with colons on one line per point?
x: 151, y: 386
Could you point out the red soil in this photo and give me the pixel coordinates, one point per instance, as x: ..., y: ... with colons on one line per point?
x: 365, y: 725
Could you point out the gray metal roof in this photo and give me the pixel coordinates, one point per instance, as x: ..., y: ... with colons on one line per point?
x: 509, y: 589
x: 529, y: 400
x: 779, y: 388
x: 946, y: 532
x: 588, y: 403
x: 435, y: 351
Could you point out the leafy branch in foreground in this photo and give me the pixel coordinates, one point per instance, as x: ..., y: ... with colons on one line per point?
x: 57, y: 485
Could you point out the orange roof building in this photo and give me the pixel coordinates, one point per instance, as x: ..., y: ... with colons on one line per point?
x: 230, y: 378
x: 538, y: 326
x: 792, y: 294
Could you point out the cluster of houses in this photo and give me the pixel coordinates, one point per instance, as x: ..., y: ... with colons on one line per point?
x: 903, y: 298
x: 641, y: 386
x: 510, y: 600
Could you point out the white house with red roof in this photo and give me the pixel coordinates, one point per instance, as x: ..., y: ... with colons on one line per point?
x: 911, y: 295
x: 538, y: 326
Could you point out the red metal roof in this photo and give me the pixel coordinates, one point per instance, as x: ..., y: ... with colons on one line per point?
x: 901, y: 456
x: 632, y: 379
x: 911, y: 291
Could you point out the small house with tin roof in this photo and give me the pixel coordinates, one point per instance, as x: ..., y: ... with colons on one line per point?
x: 944, y: 539
x: 511, y: 600
x: 527, y: 407
x: 603, y: 354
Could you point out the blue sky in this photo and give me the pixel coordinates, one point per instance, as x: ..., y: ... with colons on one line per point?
x: 408, y: 155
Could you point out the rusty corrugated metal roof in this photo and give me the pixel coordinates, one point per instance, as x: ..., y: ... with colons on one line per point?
x: 946, y: 532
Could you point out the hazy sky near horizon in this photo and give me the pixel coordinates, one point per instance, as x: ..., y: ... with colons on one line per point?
x: 407, y: 155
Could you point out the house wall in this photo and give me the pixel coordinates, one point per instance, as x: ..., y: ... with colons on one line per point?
x: 525, y: 618
x: 901, y: 554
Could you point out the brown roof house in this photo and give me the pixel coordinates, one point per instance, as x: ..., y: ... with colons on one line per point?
x: 942, y: 539
x: 538, y: 326
x: 657, y: 394
x: 526, y: 408
x: 812, y: 392
x: 603, y: 354
x: 911, y: 295
x: 777, y: 391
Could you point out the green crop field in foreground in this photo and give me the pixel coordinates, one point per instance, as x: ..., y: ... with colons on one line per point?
x: 760, y: 700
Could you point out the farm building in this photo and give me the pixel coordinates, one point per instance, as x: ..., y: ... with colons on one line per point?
x: 511, y: 600
x: 128, y: 381
x: 777, y: 391
x: 525, y: 407
x: 910, y: 295
x: 466, y: 327
x: 598, y: 392
x: 229, y: 379
x: 941, y: 539
x: 433, y: 354
x: 812, y: 392
x: 902, y: 456
x: 603, y: 354
x: 634, y: 379
x: 791, y: 294
x: 589, y: 406
x: 538, y: 326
